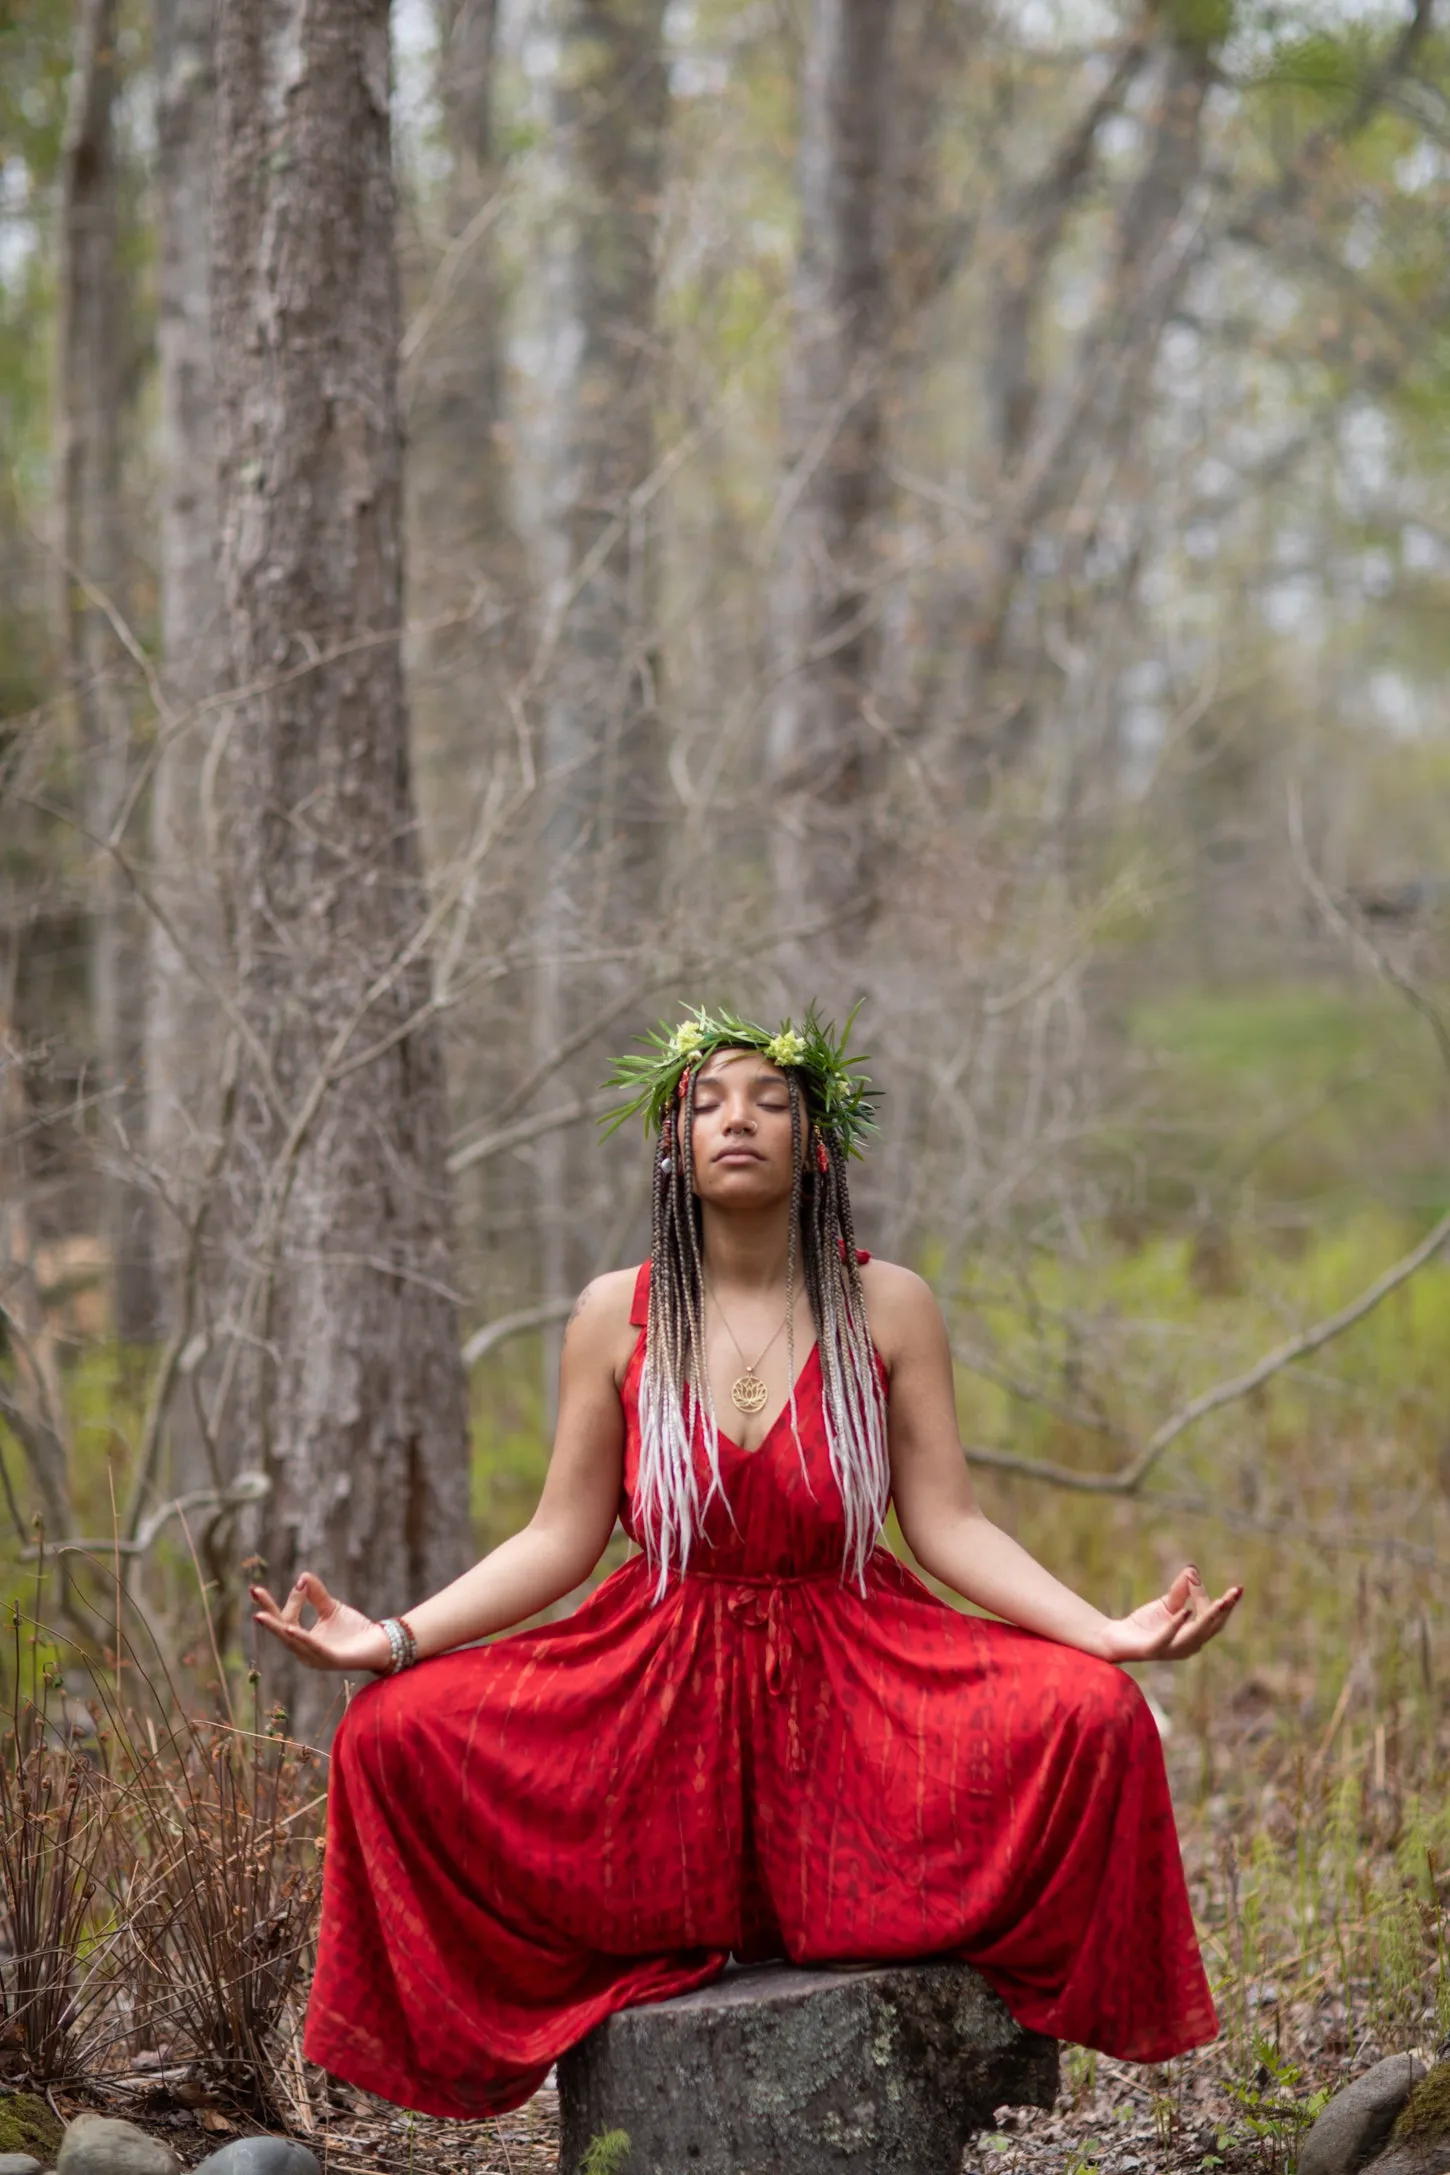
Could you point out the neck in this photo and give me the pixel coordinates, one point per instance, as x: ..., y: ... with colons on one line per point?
x: 746, y: 1250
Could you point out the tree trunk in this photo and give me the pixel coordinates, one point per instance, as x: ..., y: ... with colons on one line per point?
x: 186, y: 1027
x: 346, y: 1363
x: 466, y: 559
x: 1042, y: 442
x: 820, y: 744
x: 601, y: 742
x: 89, y: 365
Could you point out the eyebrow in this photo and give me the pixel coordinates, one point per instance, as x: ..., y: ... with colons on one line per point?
x: 758, y: 1081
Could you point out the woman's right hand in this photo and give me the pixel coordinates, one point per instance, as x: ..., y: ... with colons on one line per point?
x: 340, y: 1638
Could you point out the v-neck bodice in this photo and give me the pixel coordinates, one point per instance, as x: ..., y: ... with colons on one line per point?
x: 802, y: 1376
x: 781, y: 1515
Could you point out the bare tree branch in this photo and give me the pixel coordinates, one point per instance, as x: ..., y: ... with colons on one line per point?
x: 1131, y: 1480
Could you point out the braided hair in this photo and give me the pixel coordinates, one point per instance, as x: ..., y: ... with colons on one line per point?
x: 675, y: 1396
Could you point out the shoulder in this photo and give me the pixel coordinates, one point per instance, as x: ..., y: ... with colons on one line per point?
x: 599, y: 1327
x: 902, y: 1307
x: 607, y: 1300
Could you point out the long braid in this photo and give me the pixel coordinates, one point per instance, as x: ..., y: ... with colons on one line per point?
x: 702, y: 1397
x: 675, y: 1391
x: 665, y: 1449
x: 797, y: 1164
x: 853, y: 1400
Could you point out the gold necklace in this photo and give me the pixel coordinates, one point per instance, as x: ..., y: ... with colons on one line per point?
x: 748, y: 1394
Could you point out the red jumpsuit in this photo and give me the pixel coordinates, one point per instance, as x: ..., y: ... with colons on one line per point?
x: 527, y: 1835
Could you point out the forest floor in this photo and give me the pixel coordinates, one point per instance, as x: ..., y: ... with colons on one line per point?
x: 1315, y: 1861
x: 1111, y: 2119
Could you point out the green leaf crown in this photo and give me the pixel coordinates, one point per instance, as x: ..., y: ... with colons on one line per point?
x: 840, y: 1099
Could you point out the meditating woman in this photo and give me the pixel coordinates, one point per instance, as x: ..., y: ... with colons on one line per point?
x: 763, y: 1735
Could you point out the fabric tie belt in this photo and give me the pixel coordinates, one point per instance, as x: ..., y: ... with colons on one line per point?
x: 760, y: 1602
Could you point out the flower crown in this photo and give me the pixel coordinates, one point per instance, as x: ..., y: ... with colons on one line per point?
x: 841, y: 1102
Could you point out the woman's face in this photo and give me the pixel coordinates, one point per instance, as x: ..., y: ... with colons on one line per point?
x: 742, y: 1136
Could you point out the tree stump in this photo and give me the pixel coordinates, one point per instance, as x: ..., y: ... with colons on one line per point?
x: 778, y: 2071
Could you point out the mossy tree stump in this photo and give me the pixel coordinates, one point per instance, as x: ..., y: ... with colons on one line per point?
x: 777, y: 2071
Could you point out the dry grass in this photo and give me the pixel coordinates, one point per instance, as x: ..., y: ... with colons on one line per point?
x: 161, y: 1879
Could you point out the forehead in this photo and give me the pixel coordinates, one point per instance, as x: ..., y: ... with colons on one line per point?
x: 748, y: 1066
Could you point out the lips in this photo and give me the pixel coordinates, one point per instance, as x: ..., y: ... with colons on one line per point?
x: 739, y: 1155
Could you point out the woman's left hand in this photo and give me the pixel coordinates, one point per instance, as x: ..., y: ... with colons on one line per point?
x: 1178, y: 1623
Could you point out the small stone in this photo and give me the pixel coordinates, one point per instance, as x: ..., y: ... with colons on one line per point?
x: 100, y: 2145
x: 19, y: 2163
x: 261, y: 2156
x: 1357, y: 2122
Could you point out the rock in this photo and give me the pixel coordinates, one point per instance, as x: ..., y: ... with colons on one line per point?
x: 261, y: 2156
x: 98, y: 2145
x: 1426, y: 2159
x: 1420, y: 2141
x: 1358, y: 2120
x: 19, y: 2163
x: 821, y: 2072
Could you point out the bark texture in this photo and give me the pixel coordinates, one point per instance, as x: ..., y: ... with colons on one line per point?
x: 604, y: 800
x: 466, y: 578
x: 90, y: 361
x: 600, y: 712
x: 820, y: 742
x: 1043, y: 444
x: 186, y: 1027
x: 344, y: 1365
x: 815, y: 2071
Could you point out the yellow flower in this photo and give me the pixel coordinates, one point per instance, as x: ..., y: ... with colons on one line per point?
x: 786, y: 1048
x: 687, y: 1037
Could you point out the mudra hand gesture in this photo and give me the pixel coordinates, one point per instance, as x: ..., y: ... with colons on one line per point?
x: 1177, y: 1624
x: 340, y: 1638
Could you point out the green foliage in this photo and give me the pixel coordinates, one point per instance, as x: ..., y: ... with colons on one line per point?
x: 1295, y: 1093
x: 606, y: 2154
x: 1204, y: 23
x: 1274, y: 2108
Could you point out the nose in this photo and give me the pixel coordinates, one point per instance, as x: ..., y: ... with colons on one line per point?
x: 740, y: 1121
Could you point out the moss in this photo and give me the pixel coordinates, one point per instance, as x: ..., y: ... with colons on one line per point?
x: 1426, y: 2113
x: 27, y: 2125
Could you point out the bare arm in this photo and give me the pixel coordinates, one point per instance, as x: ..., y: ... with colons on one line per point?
x: 950, y: 1535
x: 556, y: 1550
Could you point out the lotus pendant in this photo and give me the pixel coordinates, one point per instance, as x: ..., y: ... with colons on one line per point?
x: 748, y: 1393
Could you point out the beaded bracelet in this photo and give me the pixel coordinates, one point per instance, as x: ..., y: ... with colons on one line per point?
x: 402, y: 1644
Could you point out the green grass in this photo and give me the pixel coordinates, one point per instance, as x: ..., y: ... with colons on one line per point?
x: 1293, y: 1094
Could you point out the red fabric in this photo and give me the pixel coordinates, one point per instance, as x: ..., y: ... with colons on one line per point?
x: 525, y: 1836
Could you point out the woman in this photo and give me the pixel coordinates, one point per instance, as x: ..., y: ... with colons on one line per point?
x: 763, y: 1736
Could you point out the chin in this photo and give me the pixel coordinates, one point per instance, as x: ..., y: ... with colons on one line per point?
x: 744, y: 1189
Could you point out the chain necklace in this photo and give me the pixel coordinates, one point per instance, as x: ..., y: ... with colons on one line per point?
x: 748, y: 1394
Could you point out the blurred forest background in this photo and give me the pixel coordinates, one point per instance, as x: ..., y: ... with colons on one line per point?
x: 928, y: 503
